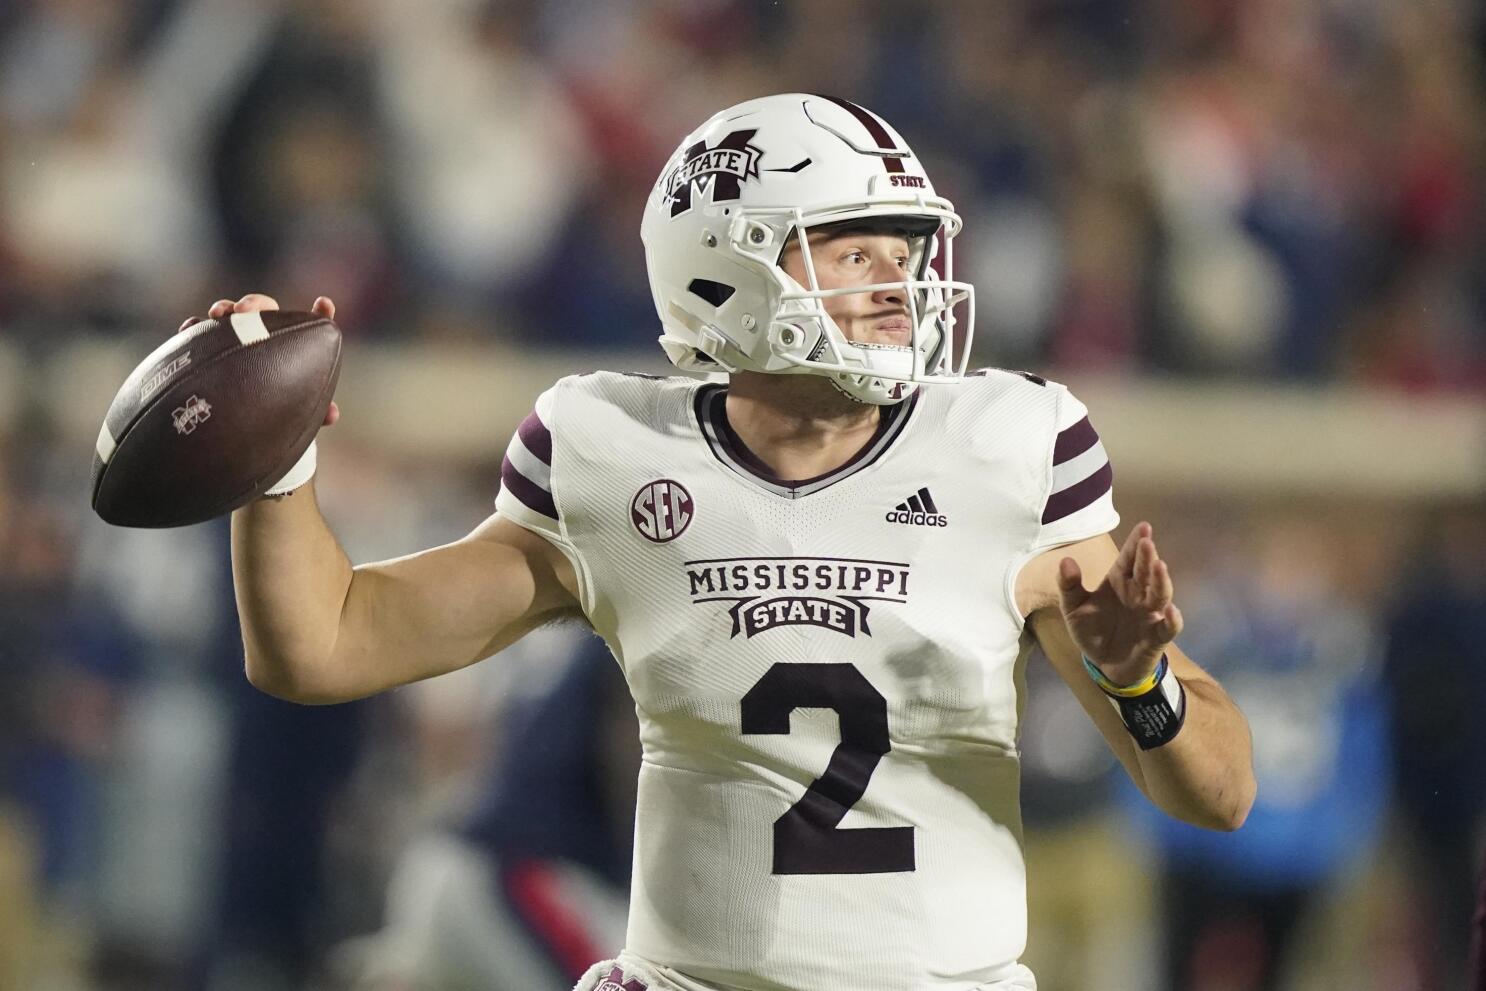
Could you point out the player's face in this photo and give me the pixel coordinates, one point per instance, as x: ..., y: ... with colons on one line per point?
x: 843, y: 260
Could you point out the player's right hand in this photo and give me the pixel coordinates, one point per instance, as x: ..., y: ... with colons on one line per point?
x: 258, y: 301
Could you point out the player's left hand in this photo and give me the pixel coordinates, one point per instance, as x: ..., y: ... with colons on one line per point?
x: 1125, y: 623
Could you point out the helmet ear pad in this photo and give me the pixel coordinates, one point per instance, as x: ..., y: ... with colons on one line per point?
x: 712, y: 292
x: 721, y: 313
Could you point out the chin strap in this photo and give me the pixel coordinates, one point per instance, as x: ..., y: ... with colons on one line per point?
x: 906, y: 389
x: 835, y: 380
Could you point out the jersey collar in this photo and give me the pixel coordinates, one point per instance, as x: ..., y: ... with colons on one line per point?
x: 710, y: 406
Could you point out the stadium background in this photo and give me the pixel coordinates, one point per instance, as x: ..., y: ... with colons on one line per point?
x: 1250, y: 236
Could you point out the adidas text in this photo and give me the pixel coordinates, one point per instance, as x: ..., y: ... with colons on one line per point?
x: 918, y: 510
x: 916, y: 519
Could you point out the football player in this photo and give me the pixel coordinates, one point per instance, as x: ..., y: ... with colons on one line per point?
x: 821, y: 573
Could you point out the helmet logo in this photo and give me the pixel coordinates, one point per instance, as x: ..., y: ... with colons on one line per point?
x: 730, y: 162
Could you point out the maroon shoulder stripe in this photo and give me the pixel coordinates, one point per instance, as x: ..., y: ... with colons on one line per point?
x: 532, y: 495
x: 1079, y: 495
x: 874, y: 127
x: 537, y: 438
x: 1074, y: 441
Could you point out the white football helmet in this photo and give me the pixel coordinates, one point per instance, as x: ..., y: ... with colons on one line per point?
x: 768, y: 170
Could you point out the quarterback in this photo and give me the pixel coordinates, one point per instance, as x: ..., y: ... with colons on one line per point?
x: 821, y: 567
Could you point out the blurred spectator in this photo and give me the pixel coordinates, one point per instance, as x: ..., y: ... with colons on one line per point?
x: 289, y: 766
x: 1144, y: 189
x: 96, y: 209
x: 20, y: 927
x: 66, y: 661
x: 1436, y: 674
x: 532, y: 887
x: 51, y: 54
x: 1303, y: 663
x: 315, y: 797
x: 102, y: 206
x: 1476, y: 976
x: 603, y: 303
x: 485, y: 183
x: 1089, y: 890
x: 302, y: 179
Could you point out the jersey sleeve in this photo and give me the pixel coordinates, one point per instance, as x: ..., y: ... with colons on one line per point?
x: 526, y: 495
x: 1080, y: 488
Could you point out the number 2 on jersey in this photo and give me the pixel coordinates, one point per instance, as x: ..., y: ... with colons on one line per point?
x: 808, y: 838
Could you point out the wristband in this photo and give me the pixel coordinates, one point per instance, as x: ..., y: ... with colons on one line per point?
x: 1153, y: 710
x: 303, y: 471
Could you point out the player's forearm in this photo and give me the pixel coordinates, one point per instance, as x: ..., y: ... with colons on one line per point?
x: 291, y: 578
x: 1205, y: 775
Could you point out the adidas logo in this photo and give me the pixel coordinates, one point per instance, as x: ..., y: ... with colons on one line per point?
x: 918, y: 510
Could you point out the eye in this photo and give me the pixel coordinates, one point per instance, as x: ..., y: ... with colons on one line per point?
x: 855, y: 256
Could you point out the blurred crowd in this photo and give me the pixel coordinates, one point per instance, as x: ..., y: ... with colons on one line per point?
x: 1281, y: 188
x: 1276, y: 189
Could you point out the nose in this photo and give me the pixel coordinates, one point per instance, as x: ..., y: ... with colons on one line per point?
x: 892, y: 296
x: 887, y: 270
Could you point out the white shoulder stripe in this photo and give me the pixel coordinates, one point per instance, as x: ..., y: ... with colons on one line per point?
x: 249, y: 327
x: 532, y: 467
x: 1078, y: 468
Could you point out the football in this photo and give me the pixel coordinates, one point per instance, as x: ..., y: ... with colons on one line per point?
x: 214, y: 417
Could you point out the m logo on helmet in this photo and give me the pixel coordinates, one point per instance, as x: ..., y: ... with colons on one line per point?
x: 730, y: 162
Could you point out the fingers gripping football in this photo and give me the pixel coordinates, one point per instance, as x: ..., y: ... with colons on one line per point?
x: 253, y: 301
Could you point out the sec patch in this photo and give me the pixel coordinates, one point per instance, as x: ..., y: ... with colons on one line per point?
x: 662, y: 510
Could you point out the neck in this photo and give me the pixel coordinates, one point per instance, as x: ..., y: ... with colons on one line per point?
x: 800, y: 426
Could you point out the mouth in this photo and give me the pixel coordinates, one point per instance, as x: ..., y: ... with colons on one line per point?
x: 895, y: 330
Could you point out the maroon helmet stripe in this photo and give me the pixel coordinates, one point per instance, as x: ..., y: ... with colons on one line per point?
x: 532, y: 495
x: 874, y: 127
x: 1077, y: 496
x: 1074, y: 441
x: 537, y: 438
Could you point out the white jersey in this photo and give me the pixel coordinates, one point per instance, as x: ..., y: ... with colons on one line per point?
x: 827, y: 673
